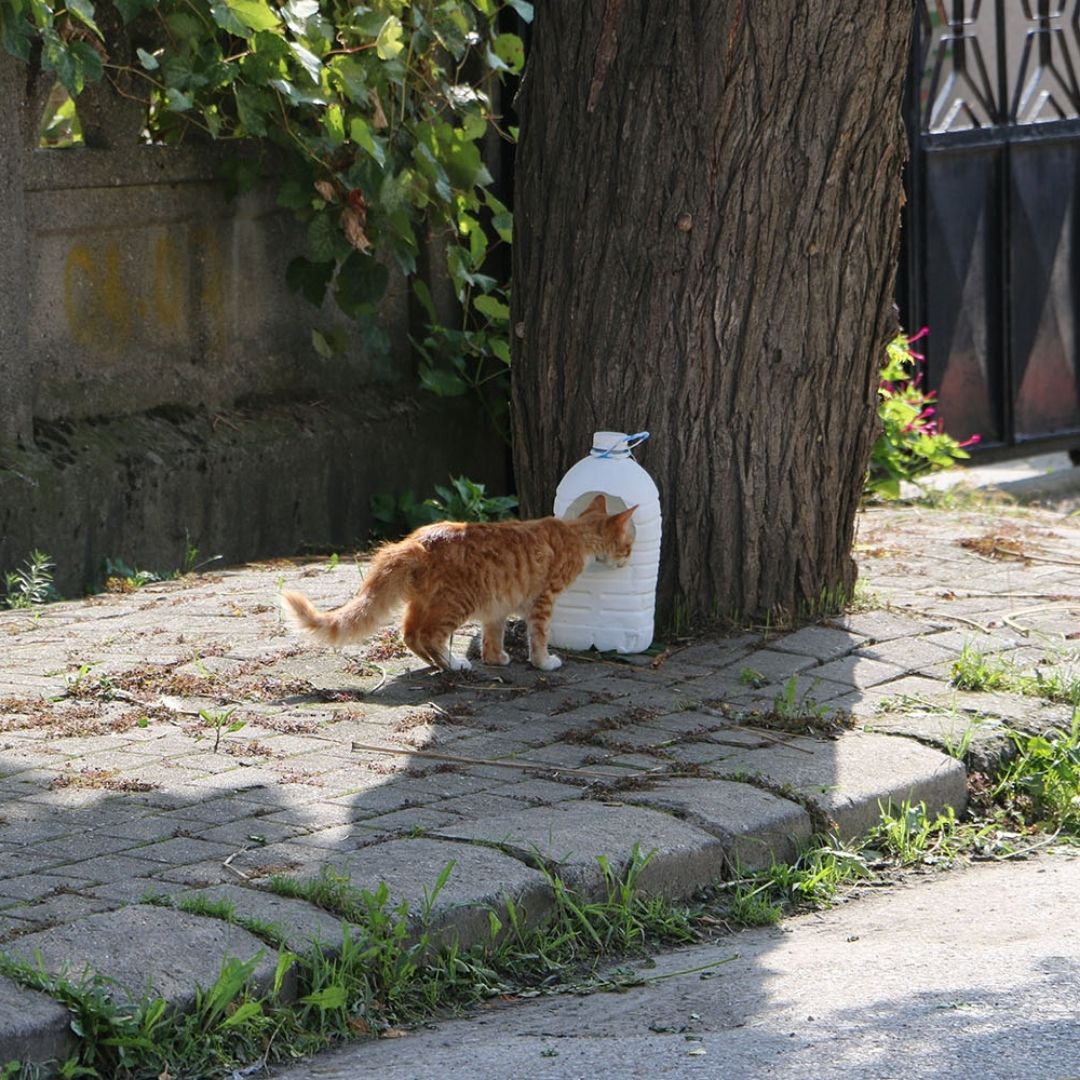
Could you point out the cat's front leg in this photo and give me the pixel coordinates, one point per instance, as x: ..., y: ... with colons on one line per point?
x: 538, y: 620
x: 492, y: 649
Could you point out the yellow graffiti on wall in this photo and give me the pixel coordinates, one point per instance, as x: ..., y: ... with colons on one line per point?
x: 168, y: 286
x: 108, y: 301
x: 97, y: 303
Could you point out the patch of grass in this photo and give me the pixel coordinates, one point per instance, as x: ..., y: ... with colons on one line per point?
x: 1041, y: 784
x: 907, y: 834
x: 813, y: 880
x: 979, y: 671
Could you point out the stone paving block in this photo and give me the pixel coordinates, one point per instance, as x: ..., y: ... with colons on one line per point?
x: 884, y: 625
x: 99, y: 870
x: 480, y: 879
x: 719, y: 653
x: 702, y: 752
x: 238, y: 833
x: 686, y: 721
x: 918, y: 686
x: 821, y: 642
x: 847, y: 777
x: 406, y: 820
x: 571, y: 836
x: 88, y: 845
x: 143, y: 948
x: 724, y: 686
x: 64, y: 908
x: 771, y: 665
x: 33, y: 1027
x: 983, y: 743
x: 302, y: 924
x: 607, y: 679
x: 535, y: 790
x: 33, y: 886
x: 756, y: 827
x: 910, y: 654
x: 180, y: 850
x: 858, y: 672
x: 568, y: 756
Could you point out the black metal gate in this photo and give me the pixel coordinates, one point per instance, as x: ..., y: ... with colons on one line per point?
x: 991, y: 259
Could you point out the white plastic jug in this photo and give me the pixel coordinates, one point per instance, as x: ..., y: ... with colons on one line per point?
x: 611, y: 607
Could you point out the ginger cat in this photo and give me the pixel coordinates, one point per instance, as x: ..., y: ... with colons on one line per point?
x: 451, y: 572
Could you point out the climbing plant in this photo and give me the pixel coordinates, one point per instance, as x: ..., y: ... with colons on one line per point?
x: 378, y: 114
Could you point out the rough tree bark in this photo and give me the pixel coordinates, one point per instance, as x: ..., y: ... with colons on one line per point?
x: 707, y: 199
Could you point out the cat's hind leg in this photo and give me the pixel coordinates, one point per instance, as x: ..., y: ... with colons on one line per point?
x: 429, y: 637
x: 538, y: 620
x: 492, y: 649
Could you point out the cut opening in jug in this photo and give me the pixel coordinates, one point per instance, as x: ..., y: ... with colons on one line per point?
x: 612, y: 505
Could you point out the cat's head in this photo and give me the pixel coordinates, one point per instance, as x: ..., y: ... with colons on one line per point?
x: 616, y: 534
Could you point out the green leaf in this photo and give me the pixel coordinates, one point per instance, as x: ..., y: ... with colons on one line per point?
x: 492, y: 308
x: 253, y: 105
x: 334, y: 125
x: 309, y: 279
x: 308, y: 61
x: 16, y: 33
x: 178, y: 101
x: 351, y: 74
x: 83, y: 10
x: 523, y: 8
x: 247, y: 1011
x: 254, y: 14
x: 333, y: 996
x: 294, y: 195
x: 510, y: 50
x: 361, y: 283
x: 423, y: 294
x: 148, y: 60
x: 360, y: 133
x: 441, y: 382
x: 88, y: 60
x: 322, y: 345
x: 129, y: 9
x: 501, y: 348
x: 464, y: 165
x: 389, y: 44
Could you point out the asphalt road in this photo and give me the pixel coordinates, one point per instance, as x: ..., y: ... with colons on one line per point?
x: 973, y: 973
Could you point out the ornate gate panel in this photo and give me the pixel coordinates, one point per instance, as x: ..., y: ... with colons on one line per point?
x: 992, y: 232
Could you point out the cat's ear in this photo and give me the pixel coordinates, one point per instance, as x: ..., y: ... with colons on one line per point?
x: 597, y: 506
x: 621, y: 519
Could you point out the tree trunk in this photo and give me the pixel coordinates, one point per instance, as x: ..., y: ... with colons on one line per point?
x: 707, y: 204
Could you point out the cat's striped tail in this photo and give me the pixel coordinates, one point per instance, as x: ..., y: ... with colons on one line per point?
x: 355, y: 620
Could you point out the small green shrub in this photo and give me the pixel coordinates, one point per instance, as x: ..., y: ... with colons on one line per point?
x: 32, y: 584
x: 463, y: 500
x: 913, y: 442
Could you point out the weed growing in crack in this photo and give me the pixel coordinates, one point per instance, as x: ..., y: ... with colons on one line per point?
x: 31, y: 585
x: 979, y: 671
x: 1041, y: 785
x: 909, y: 835
x: 218, y: 719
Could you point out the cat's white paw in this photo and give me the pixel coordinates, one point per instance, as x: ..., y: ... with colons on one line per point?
x: 550, y: 663
x: 461, y: 664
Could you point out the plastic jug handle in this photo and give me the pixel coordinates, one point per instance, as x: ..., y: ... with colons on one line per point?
x: 630, y: 442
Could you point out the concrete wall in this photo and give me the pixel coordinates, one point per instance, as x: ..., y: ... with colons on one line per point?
x: 157, y: 378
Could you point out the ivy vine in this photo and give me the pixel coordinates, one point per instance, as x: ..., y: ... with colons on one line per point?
x: 380, y: 112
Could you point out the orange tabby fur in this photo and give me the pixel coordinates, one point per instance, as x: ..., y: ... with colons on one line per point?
x: 451, y: 572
